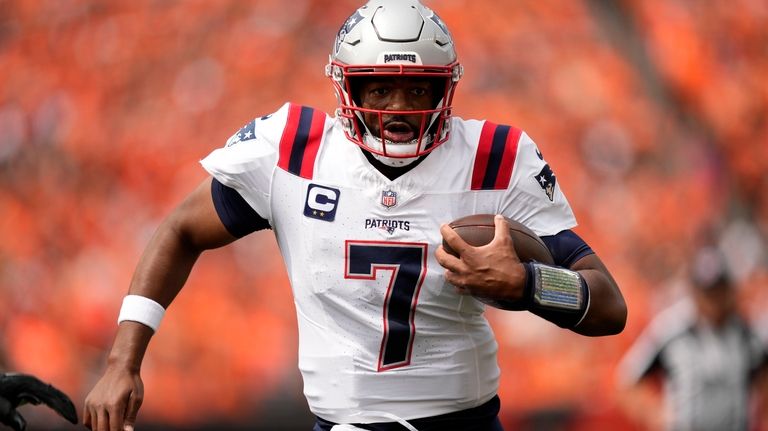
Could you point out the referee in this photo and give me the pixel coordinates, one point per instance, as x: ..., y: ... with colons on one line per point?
x: 705, y: 357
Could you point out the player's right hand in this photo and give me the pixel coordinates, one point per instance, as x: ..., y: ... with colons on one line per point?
x: 492, y: 271
x: 113, y: 403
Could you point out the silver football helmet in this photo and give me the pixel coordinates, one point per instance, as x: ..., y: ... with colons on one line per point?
x: 394, y: 38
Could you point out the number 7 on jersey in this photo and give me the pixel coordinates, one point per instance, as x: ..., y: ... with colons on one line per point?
x: 407, y: 263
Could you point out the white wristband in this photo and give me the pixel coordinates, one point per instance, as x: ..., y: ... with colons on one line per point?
x: 141, y: 309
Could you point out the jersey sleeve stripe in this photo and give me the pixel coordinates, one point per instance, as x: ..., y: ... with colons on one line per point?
x: 289, y: 134
x: 507, y: 162
x: 315, y: 137
x: 301, y: 140
x: 498, y: 145
x: 495, y: 158
x: 481, y: 157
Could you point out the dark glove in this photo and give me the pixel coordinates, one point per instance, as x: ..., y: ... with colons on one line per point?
x: 19, y: 389
x: 10, y: 417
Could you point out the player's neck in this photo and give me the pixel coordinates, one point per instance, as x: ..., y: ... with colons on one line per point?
x: 391, y: 172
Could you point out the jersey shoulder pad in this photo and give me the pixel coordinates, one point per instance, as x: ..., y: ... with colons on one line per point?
x: 265, y: 129
x: 532, y: 169
x: 293, y: 133
x: 300, y: 139
x: 252, y: 148
x: 495, y: 156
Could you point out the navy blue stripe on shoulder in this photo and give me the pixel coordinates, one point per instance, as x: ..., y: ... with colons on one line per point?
x: 566, y: 247
x: 498, y: 143
x: 235, y: 213
x: 300, y: 140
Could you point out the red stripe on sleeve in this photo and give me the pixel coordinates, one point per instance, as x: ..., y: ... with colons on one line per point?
x: 508, y: 159
x: 289, y: 135
x: 482, y: 155
x: 313, y: 144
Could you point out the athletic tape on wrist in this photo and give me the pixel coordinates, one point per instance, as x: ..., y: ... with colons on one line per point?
x: 141, y: 309
x: 559, y: 294
x: 557, y: 288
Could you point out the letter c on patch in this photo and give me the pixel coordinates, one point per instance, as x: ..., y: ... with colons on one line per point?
x: 321, y: 202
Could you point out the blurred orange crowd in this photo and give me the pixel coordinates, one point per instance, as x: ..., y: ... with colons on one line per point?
x: 652, y: 114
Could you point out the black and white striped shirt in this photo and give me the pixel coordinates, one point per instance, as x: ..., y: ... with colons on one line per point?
x: 708, y: 371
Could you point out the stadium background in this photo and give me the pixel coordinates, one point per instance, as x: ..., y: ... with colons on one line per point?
x: 652, y: 114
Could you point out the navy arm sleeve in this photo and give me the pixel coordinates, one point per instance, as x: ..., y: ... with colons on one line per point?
x: 238, y: 217
x: 566, y: 247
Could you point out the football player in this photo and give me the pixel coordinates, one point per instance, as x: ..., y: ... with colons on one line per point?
x: 390, y: 331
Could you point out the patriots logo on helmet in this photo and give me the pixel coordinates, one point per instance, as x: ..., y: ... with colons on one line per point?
x: 547, y: 181
x: 348, y: 25
x: 436, y: 19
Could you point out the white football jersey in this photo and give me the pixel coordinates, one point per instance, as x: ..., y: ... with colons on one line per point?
x: 379, y: 328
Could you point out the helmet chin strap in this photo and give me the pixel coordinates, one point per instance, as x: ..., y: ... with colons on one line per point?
x: 374, y: 142
x: 394, y: 162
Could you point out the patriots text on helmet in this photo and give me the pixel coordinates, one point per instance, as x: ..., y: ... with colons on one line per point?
x: 389, y: 58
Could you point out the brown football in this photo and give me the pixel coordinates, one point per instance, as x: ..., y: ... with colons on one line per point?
x: 478, y: 230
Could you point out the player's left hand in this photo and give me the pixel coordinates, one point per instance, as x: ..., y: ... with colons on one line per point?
x: 491, y: 271
x: 19, y: 389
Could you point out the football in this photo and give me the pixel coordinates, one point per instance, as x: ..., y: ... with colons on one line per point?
x: 478, y: 230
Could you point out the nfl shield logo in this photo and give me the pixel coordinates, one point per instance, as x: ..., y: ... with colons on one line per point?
x: 388, y: 198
